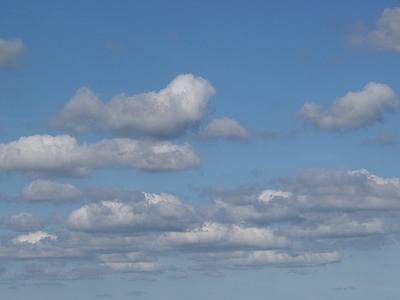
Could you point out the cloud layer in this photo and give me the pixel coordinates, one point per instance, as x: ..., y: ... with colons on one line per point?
x: 306, y: 223
x: 354, y: 111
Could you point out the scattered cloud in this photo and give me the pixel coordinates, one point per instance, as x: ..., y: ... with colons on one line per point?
x: 110, y: 45
x: 168, y: 113
x: 304, y: 224
x: 50, y: 191
x: 225, y: 128
x: 354, y: 111
x: 384, y: 139
x: 10, y: 53
x: 386, y: 37
x: 179, y: 275
x: 58, y: 156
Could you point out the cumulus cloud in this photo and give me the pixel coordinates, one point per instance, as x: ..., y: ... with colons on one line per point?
x: 147, y: 211
x: 10, y: 53
x: 212, y: 234
x: 46, y: 190
x: 225, y: 128
x: 168, y: 113
x: 386, y: 37
x: 354, y: 111
x: 61, y: 155
x: 304, y: 223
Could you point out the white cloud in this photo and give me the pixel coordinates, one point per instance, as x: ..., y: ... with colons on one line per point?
x: 45, y: 190
x: 168, y: 113
x: 150, y: 212
x: 354, y: 111
x: 225, y: 128
x: 386, y: 37
x: 128, y: 267
x: 34, y: 237
x: 10, y: 53
x: 212, y: 234
x: 62, y: 156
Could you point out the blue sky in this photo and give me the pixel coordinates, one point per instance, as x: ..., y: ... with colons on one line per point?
x: 199, y: 149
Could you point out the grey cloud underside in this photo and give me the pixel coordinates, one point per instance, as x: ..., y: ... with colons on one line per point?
x: 354, y: 111
x: 168, y: 113
x: 305, y: 224
x: 60, y: 156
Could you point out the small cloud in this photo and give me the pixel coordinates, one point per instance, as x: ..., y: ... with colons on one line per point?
x: 384, y: 139
x: 225, y: 128
x: 136, y: 293
x: 110, y: 45
x: 345, y: 288
x: 385, y: 37
x: 213, y: 274
x: 105, y: 296
x: 354, y: 111
x: 179, y: 275
x: 10, y: 53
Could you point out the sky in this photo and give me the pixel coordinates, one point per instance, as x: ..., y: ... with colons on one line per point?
x: 199, y: 149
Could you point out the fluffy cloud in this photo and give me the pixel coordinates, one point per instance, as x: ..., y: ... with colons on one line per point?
x: 167, y: 113
x: 62, y: 156
x: 386, y: 37
x: 354, y: 111
x: 225, y: 128
x: 305, y: 223
x: 10, y: 53
x: 147, y: 211
x: 212, y: 234
x: 45, y: 190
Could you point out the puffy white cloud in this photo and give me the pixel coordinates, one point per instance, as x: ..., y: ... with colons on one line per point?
x: 167, y: 113
x: 22, y: 222
x: 10, y: 53
x: 225, y: 128
x: 386, y: 37
x: 353, y: 111
x: 150, y: 212
x: 45, y: 190
x: 62, y: 156
x: 212, y: 234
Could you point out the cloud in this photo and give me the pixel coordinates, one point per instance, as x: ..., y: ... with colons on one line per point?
x: 354, y: 111
x: 168, y: 113
x: 225, y: 128
x: 305, y: 223
x: 46, y: 155
x: 110, y: 45
x: 386, y: 37
x: 146, y: 211
x: 23, y: 221
x: 212, y: 234
x: 384, y: 139
x: 10, y: 53
x: 33, y: 237
x: 45, y: 190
